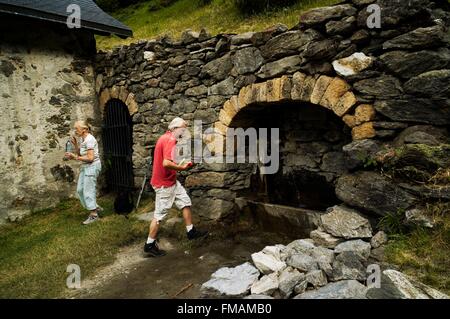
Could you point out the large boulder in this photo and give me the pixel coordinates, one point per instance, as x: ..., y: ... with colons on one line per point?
x: 344, y: 222
x: 320, y: 15
x: 348, y: 265
x: 396, y: 285
x: 433, y: 84
x: 218, y: 69
x: 247, y: 60
x: 424, y: 160
x: 212, y: 208
x: 358, y: 152
x: 383, y: 86
x: 373, y: 192
x: 408, y: 64
x: 302, y: 262
x: 422, y: 134
x: 420, y: 38
x: 288, y: 279
x: 285, y: 65
x: 358, y: 246
x: 346, y: 289
x: 231, y: 282
x: 288, y: 43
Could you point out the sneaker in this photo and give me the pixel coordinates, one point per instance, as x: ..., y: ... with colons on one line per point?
x: 100, y: 209
x: 90, y: 220
x: 194, y: 233
x: 153, y: 250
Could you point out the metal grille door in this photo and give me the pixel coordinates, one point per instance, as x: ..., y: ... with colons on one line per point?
x: 118, y: 146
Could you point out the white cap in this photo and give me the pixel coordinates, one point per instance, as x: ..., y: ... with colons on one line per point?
x: 177, y: 122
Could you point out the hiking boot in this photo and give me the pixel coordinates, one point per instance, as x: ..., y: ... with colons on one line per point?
x: 153, y: 250
x: 90, y: 219
x: 194, y: 233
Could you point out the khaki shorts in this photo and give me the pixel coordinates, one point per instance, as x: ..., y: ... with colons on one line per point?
x: 166, y: 196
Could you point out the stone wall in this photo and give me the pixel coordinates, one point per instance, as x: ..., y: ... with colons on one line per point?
x: 390, y: 87
x: 46, y: 83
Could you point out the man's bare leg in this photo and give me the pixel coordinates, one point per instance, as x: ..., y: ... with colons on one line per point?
x: 187, y: 215
x: 153, y: 229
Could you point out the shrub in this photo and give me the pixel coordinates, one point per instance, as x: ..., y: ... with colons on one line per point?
x: 249, y: 7
x: 111, y: 5
x: 159, y: 4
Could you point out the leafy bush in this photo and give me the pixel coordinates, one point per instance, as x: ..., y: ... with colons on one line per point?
x: 204, y: 2
x: 159, y: 4
x: 249, y: 7
x: 112, y: 5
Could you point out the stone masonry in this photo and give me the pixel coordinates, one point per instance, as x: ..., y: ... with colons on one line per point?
x: 388, y: 87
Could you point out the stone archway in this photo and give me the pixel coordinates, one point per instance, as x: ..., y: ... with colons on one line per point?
x: 332, y: 93
x: 329, y: 94
x: 120, y: 93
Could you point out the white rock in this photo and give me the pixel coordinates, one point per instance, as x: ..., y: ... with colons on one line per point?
x: 324, y: 239
x: 345, y: 222
x: 411, y: 289
x: 267, y: 263
x: 353, y: 64
x: 274, y: 251
x: 149, y: 56
x: 266, y: 285
x: 232, y: 282
x: 288, y: 279
x: 358, y: 246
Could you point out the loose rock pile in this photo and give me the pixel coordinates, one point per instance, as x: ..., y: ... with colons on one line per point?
x: 332, y: 264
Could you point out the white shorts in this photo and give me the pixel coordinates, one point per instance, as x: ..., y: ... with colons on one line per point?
x: 166, y: 196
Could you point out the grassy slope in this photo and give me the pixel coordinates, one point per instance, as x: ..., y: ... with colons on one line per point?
x: 221, y: 16
x: 35, y: 253
x: 425, y: 254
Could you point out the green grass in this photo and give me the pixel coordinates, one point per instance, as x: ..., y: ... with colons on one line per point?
x: 221, y: 16
x: 35, y: 252
x: 425, y: 254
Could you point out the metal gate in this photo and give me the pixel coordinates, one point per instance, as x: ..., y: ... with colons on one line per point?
x: 117, y: 136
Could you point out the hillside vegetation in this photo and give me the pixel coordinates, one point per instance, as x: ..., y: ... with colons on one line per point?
x: 220, y: 16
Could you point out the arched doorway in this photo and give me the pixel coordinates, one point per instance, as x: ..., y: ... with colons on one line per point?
x: 117, y: 136
x: 310, y: 153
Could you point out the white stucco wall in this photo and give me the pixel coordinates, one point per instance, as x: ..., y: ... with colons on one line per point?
x: 44, y: 88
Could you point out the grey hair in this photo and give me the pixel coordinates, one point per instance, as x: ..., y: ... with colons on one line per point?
x: 83, y: 124
x: 177, y: 122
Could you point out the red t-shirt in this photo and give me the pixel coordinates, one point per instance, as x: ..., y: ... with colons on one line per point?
x: 165, y: 149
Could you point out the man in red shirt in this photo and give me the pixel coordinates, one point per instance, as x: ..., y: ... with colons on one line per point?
x: 168, y: 190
